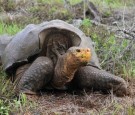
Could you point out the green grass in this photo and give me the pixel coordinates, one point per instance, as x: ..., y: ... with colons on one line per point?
x: 8, y: 101
x: 50, y: 1
x: 112, y: 3
x: 58, y: 1
x: 109, y: 50
x: 11, y: 29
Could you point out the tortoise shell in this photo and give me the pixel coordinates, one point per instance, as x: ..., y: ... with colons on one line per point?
x: 35, y: 40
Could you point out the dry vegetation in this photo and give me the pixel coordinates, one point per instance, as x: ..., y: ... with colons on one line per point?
x: 114, y: 41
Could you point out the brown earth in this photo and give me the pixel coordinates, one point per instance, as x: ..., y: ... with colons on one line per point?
x: 83, y: 103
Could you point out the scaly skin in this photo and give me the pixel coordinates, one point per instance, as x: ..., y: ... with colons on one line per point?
x: 96, y: 79
x: 18, y: 75
x: 36, y: 76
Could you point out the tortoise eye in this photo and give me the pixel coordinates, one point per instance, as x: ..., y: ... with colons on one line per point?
x: 78, y: 50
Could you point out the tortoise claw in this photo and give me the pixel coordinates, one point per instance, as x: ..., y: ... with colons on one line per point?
x: 28, y: 92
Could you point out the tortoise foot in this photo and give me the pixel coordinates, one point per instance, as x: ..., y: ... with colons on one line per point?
x: 121, y: 89
x: 96, y: 79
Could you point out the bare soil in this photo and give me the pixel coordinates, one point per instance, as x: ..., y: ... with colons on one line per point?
x: 83, y: 103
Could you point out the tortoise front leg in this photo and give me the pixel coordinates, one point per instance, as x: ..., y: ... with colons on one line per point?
x: 36, y: 76
x: 96, y: 79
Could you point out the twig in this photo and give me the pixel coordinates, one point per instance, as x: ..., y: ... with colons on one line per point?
x: 123, y: 19
x: 84, y: 9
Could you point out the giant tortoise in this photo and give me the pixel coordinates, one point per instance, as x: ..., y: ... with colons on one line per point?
x: 56, y: 55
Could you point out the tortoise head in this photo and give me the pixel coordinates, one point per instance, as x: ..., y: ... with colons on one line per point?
x: 79, y: 55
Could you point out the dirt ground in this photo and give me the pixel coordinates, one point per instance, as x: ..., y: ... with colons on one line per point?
x: 83, y: 103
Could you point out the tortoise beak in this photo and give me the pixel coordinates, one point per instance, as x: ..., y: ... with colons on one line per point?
x: 86, y: 54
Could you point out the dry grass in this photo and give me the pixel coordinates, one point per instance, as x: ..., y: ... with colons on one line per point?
x: 82, y: 102
x: 72, y: 103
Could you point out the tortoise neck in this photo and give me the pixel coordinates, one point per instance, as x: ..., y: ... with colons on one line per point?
x: 71, y: 64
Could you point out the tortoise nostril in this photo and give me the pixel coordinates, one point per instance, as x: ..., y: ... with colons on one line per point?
x: 88, y: 50
x: 78, y: 50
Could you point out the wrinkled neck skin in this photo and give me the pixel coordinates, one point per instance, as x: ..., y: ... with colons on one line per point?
x: 65, y: 69
x: 71, y: 64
